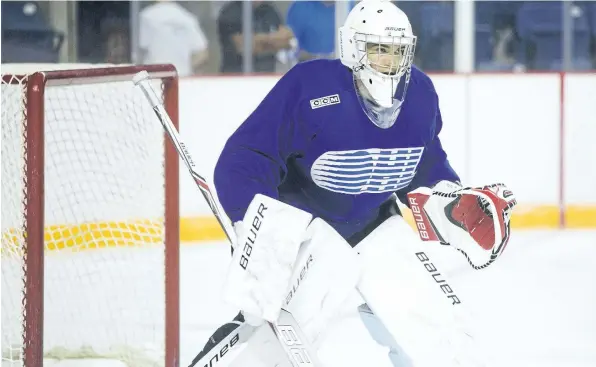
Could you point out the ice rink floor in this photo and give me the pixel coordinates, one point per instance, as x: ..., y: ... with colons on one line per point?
x: 536, y: 305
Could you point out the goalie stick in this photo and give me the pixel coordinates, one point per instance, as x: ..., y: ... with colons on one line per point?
x: 286, y: 329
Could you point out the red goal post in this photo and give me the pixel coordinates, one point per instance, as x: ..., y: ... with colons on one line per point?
x: 90, y: 217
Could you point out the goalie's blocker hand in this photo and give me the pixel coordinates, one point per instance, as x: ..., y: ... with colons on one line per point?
x: 473, y: 220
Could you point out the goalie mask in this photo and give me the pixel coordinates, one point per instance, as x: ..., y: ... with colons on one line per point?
x: 377, y: 44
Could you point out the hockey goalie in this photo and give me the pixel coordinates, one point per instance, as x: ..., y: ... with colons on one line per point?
x: 311, y: 181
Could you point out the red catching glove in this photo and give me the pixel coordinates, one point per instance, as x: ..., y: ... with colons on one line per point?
x: 473, y: 220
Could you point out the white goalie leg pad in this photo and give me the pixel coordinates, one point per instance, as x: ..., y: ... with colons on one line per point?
x: 265, y: 350
x: 382, y: 336
x: 326, y: 273
x: 264, y: 257
x: 420, y: 310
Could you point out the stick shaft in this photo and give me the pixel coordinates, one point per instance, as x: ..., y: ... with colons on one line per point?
x: 286, y: 330
x: 166, y: 122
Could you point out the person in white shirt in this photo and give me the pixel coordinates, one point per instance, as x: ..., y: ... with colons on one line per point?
x: 171, y: 34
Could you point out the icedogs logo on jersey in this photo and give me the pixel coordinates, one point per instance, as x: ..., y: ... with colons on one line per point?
x: 366, y: 171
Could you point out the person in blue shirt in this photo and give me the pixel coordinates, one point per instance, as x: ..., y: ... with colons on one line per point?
x: 313, y: 25
x: 342, y: 140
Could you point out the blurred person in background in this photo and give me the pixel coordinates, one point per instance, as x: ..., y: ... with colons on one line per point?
x: 102, y: 31
x: 270, y: 37
x: 539, y: 26
x: 313, y: 24
x: 171, y: 34
x: 216, y: 7
x: 116, y: 42
x: 27, y: 35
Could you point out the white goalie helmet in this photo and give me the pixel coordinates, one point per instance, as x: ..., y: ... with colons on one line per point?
x: 378, y: 44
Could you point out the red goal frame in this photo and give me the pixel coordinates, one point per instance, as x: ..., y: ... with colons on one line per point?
x: 34, y: 91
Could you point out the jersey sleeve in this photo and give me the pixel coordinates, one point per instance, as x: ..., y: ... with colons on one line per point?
x: 254, y: 158
x: 434, y: 165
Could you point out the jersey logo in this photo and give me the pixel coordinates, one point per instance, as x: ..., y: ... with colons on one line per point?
x: 366, y: 171
x: 324, y: 101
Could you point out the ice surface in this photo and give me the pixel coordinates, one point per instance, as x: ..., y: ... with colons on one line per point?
x: 536, y: 304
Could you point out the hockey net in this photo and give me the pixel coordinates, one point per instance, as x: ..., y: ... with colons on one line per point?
x: 89, y: 219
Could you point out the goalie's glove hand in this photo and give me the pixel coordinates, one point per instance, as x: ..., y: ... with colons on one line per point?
x: 473, y: 220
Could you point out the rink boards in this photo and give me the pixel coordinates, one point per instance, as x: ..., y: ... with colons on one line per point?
x: 533, y: 132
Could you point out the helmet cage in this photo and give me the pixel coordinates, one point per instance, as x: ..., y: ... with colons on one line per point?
x: 385, y: 55
x: 381, y: 66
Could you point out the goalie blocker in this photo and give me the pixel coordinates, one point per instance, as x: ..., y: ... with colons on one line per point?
x: 476, y: 221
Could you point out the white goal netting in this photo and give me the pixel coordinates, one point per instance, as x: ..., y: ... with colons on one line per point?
x: 104, y: 214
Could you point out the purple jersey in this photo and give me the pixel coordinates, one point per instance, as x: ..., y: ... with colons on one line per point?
x: 310, y: 144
